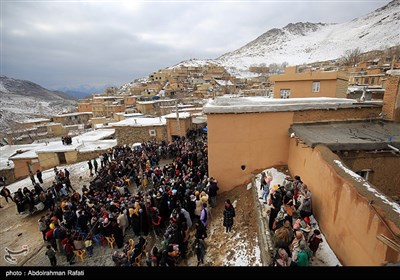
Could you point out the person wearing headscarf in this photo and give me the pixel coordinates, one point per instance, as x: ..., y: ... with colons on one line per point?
x: 229, y: 214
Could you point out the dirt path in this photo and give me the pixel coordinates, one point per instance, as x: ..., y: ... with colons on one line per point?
x: 240, y: 246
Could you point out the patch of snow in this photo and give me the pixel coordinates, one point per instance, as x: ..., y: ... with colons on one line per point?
x: 2, y: 88
x: 91, y: 146
x: 249, y: 185
x: 240, y: 256
x: 183, y: 115
x: 48, y: 176
x: 356, y: 177
x: 394, y: 205
x: 160, y: 121
x: 324, y: 253
x: 94, y: 135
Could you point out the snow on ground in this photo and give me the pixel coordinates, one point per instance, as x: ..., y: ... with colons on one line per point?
x: 76, y: 170
x: 325, y: 255
x: 240, y: 246
x: 240, y: 257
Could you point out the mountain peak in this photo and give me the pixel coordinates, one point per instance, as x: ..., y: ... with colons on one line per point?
x: 306, y: 42
x: 302, y: 28
x: 390, y: 5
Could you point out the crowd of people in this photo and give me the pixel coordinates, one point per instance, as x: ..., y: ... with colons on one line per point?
x: 290, y: 208
x: 131, y: 191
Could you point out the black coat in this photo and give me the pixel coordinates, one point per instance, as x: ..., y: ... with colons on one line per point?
x: 229, y: 214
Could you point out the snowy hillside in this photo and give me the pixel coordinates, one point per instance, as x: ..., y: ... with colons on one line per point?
x: 310, y: 42
x: 20, y: 100
x: 299, y: 43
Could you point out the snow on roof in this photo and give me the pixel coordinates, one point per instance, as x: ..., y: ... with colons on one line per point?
x: 199, y: 120
x: 27, y: 154
x: 393, y: 72
x: 224, y: 82
x: 78, y: 142
x: 370, y: 188
x: 190, y: 109
x: 74, y: 114
x: 159, y: 121
x: 179, y: 106
x: 108, y: 97
x: 130, y: 115
x: 91, y: 146
x: 97, y: 118
x: 94, y: 135
x: 222, y: 105
x: 352, y: 89
x: 182, y: 115
x: 57, y: 146
x: 35, y: 120
x: 154, y: 101
x: 7, y: 151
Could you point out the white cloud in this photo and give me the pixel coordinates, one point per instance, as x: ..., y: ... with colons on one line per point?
x: 112, y: 42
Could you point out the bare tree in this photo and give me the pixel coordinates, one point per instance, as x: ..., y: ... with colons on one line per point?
x: 351, y: 57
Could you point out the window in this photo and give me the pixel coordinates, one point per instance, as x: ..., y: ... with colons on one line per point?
x: 152, y: 132
x: 365, y: 173
x: 316, y: 86
x: 285, y: 93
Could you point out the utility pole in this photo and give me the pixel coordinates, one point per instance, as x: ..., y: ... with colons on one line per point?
x: 177, y: 118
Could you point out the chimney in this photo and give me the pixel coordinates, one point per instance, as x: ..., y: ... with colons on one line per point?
x: 391, y: 98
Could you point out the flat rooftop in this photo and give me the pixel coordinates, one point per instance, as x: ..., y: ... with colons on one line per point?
x: 258, y: 104
x: 355, y: 135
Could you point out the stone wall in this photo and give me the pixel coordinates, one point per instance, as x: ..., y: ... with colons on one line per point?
x: 383, y: 165
x: 361, y: 113
x: 132, y: 134
x: 391, y: 99
x: 9, y: 174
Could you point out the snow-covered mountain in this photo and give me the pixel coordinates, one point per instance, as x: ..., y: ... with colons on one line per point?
x: 21, y: 100
x: 299, y: 43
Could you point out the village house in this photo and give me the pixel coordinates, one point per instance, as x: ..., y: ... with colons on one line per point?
x: 294, y: 84
x: 85, y: 105
x: 133, y: 130
x: 107, y: 106
x: 18, y: 160
x: 72, y: 118
x: 178, y: 124
x: 31, y: 123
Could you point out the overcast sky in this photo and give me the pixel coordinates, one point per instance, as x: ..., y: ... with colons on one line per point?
x: 73, y: 43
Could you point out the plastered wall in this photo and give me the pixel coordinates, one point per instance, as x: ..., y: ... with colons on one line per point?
x: 341, y: 206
